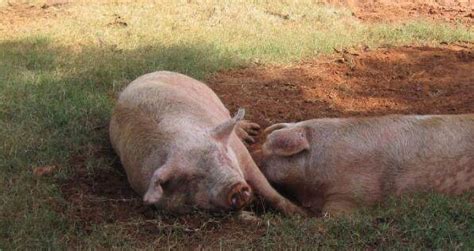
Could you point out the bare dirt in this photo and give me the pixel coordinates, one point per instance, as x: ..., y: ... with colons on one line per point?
x: 405, y: 80
x: 390, y: 11
x: 401, y: 80
x: 16, y: 15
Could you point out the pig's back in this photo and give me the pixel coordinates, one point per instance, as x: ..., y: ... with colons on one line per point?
x: 442, y: 158
x: 408, y: 139
x: 166, y: 93
x: 400, y: 152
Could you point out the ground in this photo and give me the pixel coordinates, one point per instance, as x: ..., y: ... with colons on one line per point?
x: 401, y: 80
x: 404, y: 80
x: 417, y: 58
x: 385, y: 10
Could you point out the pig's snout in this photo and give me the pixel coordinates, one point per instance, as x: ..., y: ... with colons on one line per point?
x: 239, y: 196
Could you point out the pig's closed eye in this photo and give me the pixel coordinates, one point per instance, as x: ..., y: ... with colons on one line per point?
x: 166, y: 184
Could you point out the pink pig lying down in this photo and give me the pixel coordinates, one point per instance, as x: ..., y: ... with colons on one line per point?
x: 181, y: 149
x: 336, y: 165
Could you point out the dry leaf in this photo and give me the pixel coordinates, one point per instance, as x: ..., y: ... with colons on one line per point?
x: 43, y: 170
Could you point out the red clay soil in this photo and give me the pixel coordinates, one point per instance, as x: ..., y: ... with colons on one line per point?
x: 400, y: 80
x: 389, y: 11
x: 404, y: 80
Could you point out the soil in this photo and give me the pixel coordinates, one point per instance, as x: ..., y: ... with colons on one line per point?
x: 12, y: 17
x: 389, y: 11
x: 404, y: 80
x: 401, y: 80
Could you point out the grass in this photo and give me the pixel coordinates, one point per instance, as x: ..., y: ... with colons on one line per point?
x: 432, y: 222
x: 60, y: 69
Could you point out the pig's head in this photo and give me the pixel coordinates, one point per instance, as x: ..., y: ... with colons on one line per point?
x: 284, y: 155
x: 204, y: 175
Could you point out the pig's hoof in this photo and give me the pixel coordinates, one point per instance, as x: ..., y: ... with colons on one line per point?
x: 247, y: 130
x: 247, y: 217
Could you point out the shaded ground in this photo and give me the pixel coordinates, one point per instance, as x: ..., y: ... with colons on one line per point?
x: 391, y: 80
x: 105, y: 198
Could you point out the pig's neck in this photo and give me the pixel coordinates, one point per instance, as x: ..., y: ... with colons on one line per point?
x: 310, y: 187
x: 310, y: 194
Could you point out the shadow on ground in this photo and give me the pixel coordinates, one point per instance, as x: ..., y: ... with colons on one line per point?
x: 60, y: 100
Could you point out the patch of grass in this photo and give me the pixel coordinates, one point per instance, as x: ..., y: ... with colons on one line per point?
x: 423, y: 221
x: 61, y: 68
x: 264, y: 31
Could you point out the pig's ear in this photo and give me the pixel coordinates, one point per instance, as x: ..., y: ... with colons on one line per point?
x: 155, y: 189
x: 223, y: 131
x: 286, y: 142
x: 275, y: 127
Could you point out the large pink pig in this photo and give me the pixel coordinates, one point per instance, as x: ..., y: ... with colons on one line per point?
x: 181, y: 150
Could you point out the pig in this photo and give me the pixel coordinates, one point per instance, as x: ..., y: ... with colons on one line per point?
x: 181, y: 150
x: 332, y: 166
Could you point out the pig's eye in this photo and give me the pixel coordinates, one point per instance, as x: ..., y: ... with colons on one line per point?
x: 165, y: 184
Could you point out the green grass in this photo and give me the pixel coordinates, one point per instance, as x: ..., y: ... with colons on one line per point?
x: 421, y: 222
x: 60, y: 72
